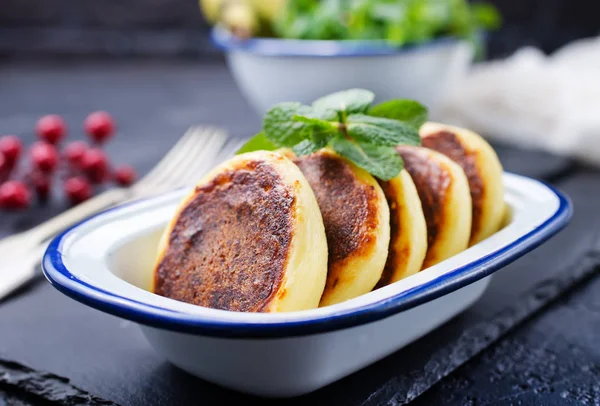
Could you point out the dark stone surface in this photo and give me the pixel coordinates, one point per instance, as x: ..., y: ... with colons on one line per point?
x: 10, y: 397
x: 154, y: 102
x: 554, y: 359
x: 28, y: 385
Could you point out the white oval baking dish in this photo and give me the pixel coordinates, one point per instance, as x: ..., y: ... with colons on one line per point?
x: 106, y: 262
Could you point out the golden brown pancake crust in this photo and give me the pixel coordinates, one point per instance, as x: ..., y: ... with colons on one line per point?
x: 432, y: 183
x: 348, y: 207
x: 449, y: 144
x: 394, y: 257
x: 229, y: 246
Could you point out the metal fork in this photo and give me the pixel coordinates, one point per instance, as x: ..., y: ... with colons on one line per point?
x: 190, y: 158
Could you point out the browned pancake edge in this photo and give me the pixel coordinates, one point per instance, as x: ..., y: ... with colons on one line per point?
x: 394, y: 256
x: 432, y: 182
x: 348, y: 206
x: 229, y: 245
x: 449, y: 144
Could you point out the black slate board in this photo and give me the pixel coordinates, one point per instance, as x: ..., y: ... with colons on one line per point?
x: 109, y: 358
x: 553, y: 360
x: 36, y: 387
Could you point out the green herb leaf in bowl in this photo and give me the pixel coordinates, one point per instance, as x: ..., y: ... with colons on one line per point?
x: 348, y: 123
x: 398, y: 22
x: 487, y: 15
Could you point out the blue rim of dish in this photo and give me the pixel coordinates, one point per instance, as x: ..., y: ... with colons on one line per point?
x: 225, y: 41
x: 59, y: 276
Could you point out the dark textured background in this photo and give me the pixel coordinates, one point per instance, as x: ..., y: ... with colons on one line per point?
x: 176, y: 27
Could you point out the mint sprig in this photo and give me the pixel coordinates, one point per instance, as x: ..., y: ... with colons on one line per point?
x: 408, y: 111
x: 281, y: 128
x: 346, y: 102
x: 381, y: 131
x: 347, y: 123
x: 380, y: 161
x: 308, y: 147
x: 259, y: 142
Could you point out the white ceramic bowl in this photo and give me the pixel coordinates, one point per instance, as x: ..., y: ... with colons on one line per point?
x: 106, y: 262
x: 270, y: 70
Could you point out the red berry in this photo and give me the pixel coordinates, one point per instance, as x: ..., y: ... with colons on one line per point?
x: 51, y: 128
x: 44, y: 156
x: 74, y: 153
x: 3, y: 168
x: 14, y: 195
x: 41, y: 184
x: 10, y: 147
x: 99, y: 126
x: 125, y: 175
x: 95, y: 165
x: 77, y: 189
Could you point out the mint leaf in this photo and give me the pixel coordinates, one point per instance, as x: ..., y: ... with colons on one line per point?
x: 381, y: 131
x: 409, y: 111
x: 319, y: 140
x: 306, y: 147
x: 346, y: 102
x: 257, y: 143
x: 380, y: 161
x: 317, y: 122
x: 322, y: 137
x: 323, y: 114
x: 280, y: 127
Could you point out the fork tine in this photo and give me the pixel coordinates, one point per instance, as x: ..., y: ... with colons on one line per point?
x: 185, y: 158
x: 232, y: 145
x: 199, y: 167
x: 200, y: 155
x: 183, y: 154
x: 201, y: 161
x: 167, y: 160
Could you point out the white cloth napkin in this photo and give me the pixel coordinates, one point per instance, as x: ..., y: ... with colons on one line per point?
x: 533, y: 100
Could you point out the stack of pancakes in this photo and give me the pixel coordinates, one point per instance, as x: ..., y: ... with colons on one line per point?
x: 274, y: 232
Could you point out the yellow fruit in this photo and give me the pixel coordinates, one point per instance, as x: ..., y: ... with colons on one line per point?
x: 239, y: 18
x: 268, y: 9
x: 211, y: 9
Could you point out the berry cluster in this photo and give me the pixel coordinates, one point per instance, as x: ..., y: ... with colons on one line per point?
x: 82, y: 167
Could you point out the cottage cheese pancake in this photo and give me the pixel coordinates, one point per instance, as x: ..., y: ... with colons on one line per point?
x: 445, y: 198
x: 408, y: 230
x: 357, y: 223
x: 248, y: 238
x: 482, y: 167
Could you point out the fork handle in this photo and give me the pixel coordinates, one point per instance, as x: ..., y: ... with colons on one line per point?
x: 77, y: 213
